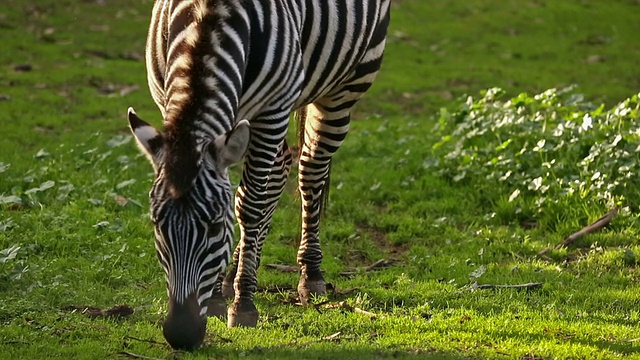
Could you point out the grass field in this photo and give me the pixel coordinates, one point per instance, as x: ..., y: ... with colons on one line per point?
x: 74, y: 229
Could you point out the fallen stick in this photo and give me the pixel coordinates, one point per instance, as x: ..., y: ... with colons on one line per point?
x: 595, y: 226
x: 341, y: 292
x: 283, y: 268
x: 275, y: 289
x: 127, y: 337
x: 380, y: 264
x: 136, y: 356
x: 332, y: 337
x: 223, y: 339
x: 475, y: 286
x: 344, y: 305
x: 117, y: 311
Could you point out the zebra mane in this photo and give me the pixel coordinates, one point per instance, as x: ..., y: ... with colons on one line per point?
x: 185, y: 95
x: 181, y: 161
x: 194, y: 34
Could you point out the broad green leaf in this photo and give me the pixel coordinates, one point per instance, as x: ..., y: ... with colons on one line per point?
x: 10, y: 199
x: 9, y: 253
x: 477, y: 273
x: 514, y: 195
x: 125, y: 183
x: 44, y: 186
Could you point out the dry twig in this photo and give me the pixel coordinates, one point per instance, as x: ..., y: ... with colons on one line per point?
x: 340, y: 292
x: 344, y: 305
x: 136, y: 356
x: 95, y: 312
x: 332, y: 337
x: 283, y: 268
x: 276, y: 289
x: 13, y: 342
x: 211, y: 338
x: 127, y: 337
x: 475, y: 286
x: 380, y: 264
x: 336, y: 337
x: 597, y: 225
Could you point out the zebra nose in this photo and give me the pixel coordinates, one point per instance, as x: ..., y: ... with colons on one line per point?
x: 184, y: 327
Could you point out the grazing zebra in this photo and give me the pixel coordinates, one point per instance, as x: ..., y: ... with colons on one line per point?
x: 226, y: 75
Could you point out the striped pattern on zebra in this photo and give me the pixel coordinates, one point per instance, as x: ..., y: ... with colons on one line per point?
x: 226, y: 75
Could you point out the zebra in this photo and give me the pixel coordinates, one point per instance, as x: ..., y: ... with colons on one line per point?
x: 226, y: 76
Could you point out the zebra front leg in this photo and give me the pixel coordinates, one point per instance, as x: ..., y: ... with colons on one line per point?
x: 324, y: 132
x: 243, y: 311
x: 278, y: 179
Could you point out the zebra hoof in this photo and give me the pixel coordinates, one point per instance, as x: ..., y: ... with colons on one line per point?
x: 242, y: 313
x: 311, y: 286
x: 217, y: 307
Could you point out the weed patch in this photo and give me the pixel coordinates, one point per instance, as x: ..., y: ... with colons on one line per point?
x: 552, y: 157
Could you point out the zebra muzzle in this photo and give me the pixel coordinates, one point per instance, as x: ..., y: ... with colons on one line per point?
x: 184, y: 327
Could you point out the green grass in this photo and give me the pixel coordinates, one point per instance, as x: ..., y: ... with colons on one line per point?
x: 86, y: 239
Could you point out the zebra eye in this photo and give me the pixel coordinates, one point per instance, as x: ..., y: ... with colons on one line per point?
x: 216, y: 227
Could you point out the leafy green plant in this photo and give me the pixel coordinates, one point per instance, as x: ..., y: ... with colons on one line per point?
x: 10, y: 268
x: 534, y: 155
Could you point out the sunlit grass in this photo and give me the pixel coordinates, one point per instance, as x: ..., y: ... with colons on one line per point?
x: 74, y: 226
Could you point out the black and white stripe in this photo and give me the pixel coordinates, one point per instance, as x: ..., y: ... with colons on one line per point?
x: 212, y: 64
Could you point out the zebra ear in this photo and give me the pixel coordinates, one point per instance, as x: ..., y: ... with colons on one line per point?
x: 148, y: 138
x: 231, y: 147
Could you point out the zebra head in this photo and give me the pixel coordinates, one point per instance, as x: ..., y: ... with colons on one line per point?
x: 190, y: 207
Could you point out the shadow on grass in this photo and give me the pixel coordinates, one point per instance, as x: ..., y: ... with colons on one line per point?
x: 336, y: 353
x: 619, y: 347
x: 626, y: 349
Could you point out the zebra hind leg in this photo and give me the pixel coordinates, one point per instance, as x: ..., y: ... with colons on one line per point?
x: 324, y: 132
x: 326, y: 126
